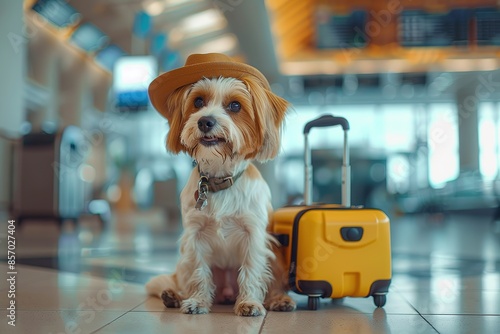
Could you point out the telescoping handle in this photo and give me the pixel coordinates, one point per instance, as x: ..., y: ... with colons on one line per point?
x: 326, y: 121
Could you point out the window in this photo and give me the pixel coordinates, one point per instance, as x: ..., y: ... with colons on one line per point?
x: 364, y: 126
x: 488, y: 141
x: 397, y: 127
x: 442, y: 138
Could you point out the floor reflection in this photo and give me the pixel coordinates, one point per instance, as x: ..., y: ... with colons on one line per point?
x: 446, y: 278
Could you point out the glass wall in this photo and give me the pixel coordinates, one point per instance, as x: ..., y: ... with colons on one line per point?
x: 418, y: 143
x: 489, y: 153
x: 442, y: 142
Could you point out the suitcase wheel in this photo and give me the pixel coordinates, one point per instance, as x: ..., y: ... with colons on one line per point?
x: 379, y: 300
x: 312, y: 303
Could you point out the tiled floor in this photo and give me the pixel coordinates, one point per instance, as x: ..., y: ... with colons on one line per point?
x: 446, y: 279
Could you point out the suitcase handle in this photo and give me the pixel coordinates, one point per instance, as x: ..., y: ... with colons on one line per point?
x: 326, y: 121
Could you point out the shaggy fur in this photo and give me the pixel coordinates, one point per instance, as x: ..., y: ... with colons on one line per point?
x: 226, y: 253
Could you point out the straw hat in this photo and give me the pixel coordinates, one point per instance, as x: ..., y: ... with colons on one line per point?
x: 199, y: 66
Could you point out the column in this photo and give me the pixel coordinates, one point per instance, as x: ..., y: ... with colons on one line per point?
x: 44, y: 56
x: 12, y: 113
x: 12, y: 54
x: 468, y: 134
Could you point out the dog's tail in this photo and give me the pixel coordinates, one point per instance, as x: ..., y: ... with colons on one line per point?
x: 160, y: 283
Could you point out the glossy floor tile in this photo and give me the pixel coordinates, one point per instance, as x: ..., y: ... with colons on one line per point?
x: 446, y: 279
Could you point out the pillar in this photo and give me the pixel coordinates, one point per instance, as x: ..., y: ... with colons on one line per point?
x: 43, y: 69
x: 468, y: 132
x: 12, y: 54
x: 12, y: 64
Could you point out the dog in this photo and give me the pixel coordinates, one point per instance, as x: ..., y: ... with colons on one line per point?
x: 224, y: 116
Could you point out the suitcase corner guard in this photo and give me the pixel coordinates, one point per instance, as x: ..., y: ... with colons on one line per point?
x: 380, y: 287
x: 320, y: 288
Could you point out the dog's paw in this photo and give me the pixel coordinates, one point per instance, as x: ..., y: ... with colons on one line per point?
x: 170, y: 299
x: 283, y: 303
x: 193, y: 306
x: 249, y: 309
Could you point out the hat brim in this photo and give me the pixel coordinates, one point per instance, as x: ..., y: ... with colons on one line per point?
x: 165, y: 84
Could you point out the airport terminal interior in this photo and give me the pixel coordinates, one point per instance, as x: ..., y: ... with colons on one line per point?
x: 90, y: 196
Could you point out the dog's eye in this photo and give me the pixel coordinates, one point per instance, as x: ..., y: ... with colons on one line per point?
x: 198, y: 102
x: 234, y: 106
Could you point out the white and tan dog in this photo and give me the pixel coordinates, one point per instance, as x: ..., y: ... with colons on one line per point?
x: 223, y: 122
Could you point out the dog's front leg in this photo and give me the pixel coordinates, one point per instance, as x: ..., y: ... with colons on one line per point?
x: 254, y: 273
x: 194, y: 270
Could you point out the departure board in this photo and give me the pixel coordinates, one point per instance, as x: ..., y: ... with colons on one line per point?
x: 488, y: 26
x: 420, y: 28
x: 342, y: 31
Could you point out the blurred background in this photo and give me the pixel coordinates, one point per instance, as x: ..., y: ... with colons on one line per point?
x: 418, y: 80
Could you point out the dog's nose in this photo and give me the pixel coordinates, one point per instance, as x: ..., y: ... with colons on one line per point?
x: 206, y: 123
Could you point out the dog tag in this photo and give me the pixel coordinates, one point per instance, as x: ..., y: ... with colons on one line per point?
x: 201, y: 202
x: 201, y: 194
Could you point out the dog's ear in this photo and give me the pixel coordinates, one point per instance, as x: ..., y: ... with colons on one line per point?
x: 173, y: 111
x: 270, y: 110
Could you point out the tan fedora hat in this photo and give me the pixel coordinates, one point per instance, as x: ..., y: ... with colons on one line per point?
x: 197, y: 67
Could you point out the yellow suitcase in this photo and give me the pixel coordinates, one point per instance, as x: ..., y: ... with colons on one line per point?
x: 334, y: 251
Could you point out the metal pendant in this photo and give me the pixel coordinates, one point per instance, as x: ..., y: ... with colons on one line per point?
x: 201, y: 194
x: 201, y: 202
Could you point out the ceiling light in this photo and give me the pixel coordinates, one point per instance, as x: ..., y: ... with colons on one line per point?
x: 173, y: 3
x: 108, y: 56
x: 154, y: 8
x: 195, y: 25
x: 223, y: 44
x: 201, y: 21
x: 58, y: 12
x: 157, y: 7
x: 89, y: 38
